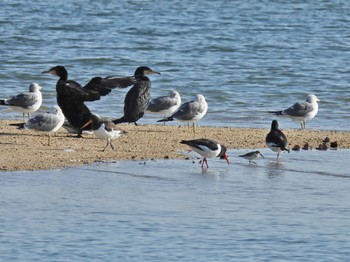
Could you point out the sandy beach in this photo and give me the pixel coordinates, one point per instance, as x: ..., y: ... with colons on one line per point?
x: 29, y: 150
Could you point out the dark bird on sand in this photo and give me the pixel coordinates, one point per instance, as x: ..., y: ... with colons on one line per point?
x: 71, y: 95
x: 137, y: 99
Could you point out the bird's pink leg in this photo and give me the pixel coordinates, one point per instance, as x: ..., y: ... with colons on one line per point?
x: 206, y: 162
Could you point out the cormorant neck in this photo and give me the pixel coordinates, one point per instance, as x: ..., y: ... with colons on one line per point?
x: 142, y: 78
x: 63, y: 75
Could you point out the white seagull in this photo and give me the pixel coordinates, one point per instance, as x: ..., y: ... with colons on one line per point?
x: 165, y: 105
x: 301, y: 111
x: 207, y: 149
x: 190, y: 111
x: 47, y: 122
x: 25, y: 102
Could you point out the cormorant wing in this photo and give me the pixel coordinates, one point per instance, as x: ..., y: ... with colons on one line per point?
x: 74, y: 91
x: 104, y: 85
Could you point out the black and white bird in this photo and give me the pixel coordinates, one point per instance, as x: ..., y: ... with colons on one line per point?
x: 138, y: 97
x: 301, y: 111
x: 104, y: 129
x: 207, y: 149
x: 71, y: 95
x: 165, y: 105
x: 276, y: 140
x: 191, y: 111
x: 252, y: 156
x: 26, y: 103
x: 49, y: 122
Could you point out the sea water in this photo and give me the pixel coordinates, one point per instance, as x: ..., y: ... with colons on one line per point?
x: 245, y: 57
x: 296, y: 209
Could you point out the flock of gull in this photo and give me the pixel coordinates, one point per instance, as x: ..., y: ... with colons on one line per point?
x: 72, y: 113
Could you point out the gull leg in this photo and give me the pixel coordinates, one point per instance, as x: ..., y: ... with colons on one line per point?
x: 49, y: 139
x: 206, y: 162
x: 110, y: 142
x: 164, y: 118
x: 193, y: 127
x: 23, y: 114
x: 106, y: 145
x: 28, y: 116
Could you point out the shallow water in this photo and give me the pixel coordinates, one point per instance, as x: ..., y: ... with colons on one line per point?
x: 246, y: 57
x: 169, y: 210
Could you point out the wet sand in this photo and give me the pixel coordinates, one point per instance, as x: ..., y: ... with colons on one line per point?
x: 29, y: 150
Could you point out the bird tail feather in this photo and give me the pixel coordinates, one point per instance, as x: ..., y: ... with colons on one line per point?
x: 119, y: 120
x: 286, y: 149
x: 277, y: 113
x: 169, y: 118
x: 18, y: 125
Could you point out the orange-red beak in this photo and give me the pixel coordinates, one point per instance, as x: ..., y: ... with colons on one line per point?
x: 226, y: 157
x: 86, y: 124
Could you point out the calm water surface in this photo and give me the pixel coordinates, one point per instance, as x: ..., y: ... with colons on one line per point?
x: 169, y: 210
x: 246, y: 57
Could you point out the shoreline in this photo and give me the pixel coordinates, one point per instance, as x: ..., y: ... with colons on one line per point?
x: 28, y: 150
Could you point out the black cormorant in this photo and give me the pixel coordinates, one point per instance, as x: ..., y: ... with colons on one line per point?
x: 138, y: 97
x: 71, y: 95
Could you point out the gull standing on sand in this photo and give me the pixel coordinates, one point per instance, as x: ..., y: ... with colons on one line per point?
x: 25, y: 102
x: 165, y: 105
x: 301, y: 111
x: 190, y: 112
x: 252, y: 156
x: 47, y: 122
x: 276, y: 140
x: 104, y: 129
x: 207, y: 149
